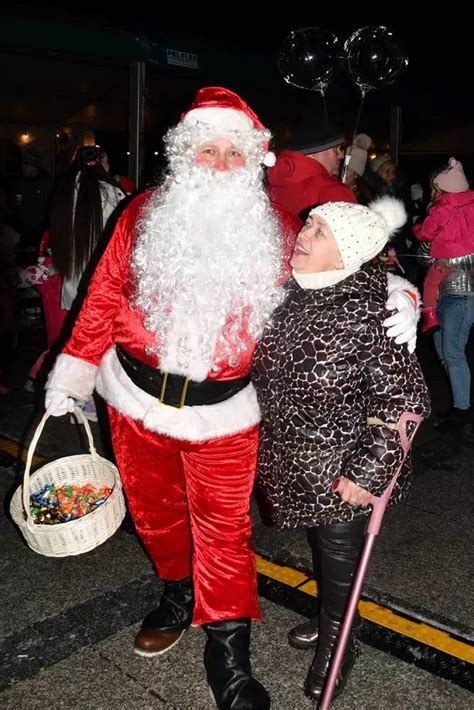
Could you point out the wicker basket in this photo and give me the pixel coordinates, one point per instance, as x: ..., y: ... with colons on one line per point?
x: 80, y: 535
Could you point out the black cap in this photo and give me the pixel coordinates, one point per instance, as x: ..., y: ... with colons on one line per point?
x: 31, y: 157
x: 314, y: 138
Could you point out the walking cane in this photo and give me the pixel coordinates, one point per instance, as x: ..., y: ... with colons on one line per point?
x: 378, y: 509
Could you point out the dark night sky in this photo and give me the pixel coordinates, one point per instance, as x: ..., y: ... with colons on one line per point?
x: 435, y: 92
x: 439, y: 46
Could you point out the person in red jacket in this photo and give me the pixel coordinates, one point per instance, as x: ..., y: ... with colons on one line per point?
x: 306, y: 176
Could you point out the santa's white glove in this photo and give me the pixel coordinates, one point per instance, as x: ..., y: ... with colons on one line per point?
x: 57, y: 403
x: 402, y: 324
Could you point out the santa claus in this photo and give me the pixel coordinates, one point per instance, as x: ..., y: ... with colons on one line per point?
x: 166, y: 336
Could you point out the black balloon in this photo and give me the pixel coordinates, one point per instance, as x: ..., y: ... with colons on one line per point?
x: 374, y: 57
x: 309, y: 58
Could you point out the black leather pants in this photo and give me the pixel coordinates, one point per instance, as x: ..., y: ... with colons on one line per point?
x: 336, y: 550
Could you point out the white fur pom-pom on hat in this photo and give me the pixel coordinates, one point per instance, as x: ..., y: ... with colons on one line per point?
x: 363, y: 141
x: 392, y: 212
x: 269, y: 159
x: 362, y: 232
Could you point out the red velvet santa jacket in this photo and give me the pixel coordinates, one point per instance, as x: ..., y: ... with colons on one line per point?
x: 107, y: 318
x: 297, y: 182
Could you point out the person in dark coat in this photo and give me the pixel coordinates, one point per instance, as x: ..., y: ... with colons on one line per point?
x: 34, y: 195
x: 331, y: 388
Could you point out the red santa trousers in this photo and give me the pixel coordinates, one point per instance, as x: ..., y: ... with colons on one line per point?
x: 190, y: 505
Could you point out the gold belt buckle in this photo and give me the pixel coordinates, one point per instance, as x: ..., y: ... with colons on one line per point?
x: 182, y: 396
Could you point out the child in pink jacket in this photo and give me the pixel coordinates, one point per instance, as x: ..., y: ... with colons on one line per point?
x: 449, y: 226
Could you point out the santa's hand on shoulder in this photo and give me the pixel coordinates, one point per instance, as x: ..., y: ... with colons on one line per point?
x: 57, y: 403
x: 402, y: 324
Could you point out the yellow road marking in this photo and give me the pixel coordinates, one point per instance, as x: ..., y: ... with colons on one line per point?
x: 287, y: 575
x: 374, y: 612
x: 13, y: 447
x: 368, y: 610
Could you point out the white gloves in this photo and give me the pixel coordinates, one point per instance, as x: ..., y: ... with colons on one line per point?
x: 402, y: 324
x: 57, y: 403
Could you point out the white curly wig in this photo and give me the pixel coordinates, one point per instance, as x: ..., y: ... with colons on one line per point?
x: 207, y: 258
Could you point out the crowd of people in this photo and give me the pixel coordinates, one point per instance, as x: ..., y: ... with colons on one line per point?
x: 58, y: 227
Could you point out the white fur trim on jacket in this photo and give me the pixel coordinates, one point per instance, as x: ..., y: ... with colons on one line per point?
x: 72, y: 376
x: 201, y: 423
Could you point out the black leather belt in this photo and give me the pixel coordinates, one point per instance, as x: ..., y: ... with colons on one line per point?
x: 177, y: 390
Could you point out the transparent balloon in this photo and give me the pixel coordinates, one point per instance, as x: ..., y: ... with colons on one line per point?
x: 374, y: 57
x: 309, y: 57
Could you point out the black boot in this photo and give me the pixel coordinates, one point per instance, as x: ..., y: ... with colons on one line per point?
x: 227, y: 661
x: 328, y: 636
x: 304, y: 636
x: 164, y: 627
x: 339, y: 547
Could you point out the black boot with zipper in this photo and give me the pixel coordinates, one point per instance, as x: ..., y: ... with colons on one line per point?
x: 329, y: 631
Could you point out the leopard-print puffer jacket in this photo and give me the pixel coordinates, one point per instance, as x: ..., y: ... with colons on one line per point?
x: 323, y: 366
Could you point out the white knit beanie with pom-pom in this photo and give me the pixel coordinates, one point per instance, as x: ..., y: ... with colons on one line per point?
x: 362, y: 232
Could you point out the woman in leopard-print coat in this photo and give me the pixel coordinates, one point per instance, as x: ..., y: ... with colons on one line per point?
x: 322, y: 367
x: 331, y: 385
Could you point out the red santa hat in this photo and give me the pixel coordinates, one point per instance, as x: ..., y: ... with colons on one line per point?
x: 222, y: 110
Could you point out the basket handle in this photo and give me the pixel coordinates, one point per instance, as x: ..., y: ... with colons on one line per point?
x: 31, y: 450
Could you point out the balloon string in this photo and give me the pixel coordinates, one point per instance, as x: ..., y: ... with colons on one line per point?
x: 359, y: 113
x: 347, y: 156
x: 325, y: 109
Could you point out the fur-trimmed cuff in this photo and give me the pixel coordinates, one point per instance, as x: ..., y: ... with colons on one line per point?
x: 73, y: 376
x: 398, y: 283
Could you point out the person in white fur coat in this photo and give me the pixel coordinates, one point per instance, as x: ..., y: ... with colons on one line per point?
x: 166, y: 335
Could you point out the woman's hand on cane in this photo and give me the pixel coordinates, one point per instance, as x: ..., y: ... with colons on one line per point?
x: 351, y: 493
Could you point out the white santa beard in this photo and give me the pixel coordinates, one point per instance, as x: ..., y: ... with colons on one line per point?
x: 209, y: 247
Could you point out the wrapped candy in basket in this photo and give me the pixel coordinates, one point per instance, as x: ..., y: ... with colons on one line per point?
x: 71, y: 505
